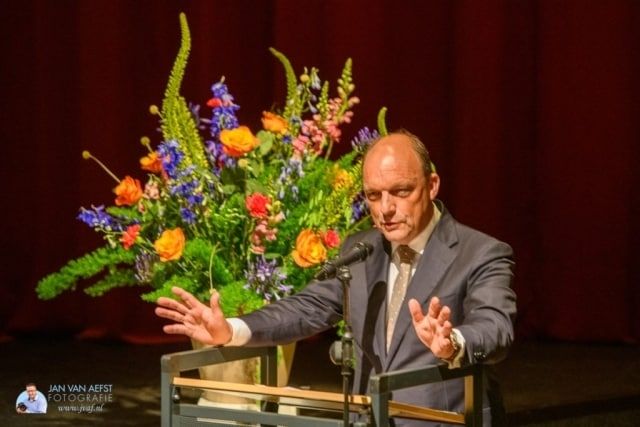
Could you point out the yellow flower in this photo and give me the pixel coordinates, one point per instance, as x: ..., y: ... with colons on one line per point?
x: 273, y: 122
x: 170, y: 244
x: 309, y: 249
x: 342, y: 179
x: 238, y: 141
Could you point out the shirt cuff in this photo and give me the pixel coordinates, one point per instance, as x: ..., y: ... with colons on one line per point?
x: 241, y: 334
x: 456, y: 362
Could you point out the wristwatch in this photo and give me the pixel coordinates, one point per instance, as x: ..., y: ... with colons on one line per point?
x: 453, y: 337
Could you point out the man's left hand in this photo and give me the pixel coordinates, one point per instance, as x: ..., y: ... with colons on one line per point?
x: 434, y: 328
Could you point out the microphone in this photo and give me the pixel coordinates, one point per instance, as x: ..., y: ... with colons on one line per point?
x: 359, y: 252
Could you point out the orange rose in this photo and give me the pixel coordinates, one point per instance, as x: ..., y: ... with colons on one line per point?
x: 128, y: 192
x: 130, y: 235
x: 151, y: 163
x: 170, y: 245
x: 309, y: 249
x: 238, y: 141
x: 273, y: 122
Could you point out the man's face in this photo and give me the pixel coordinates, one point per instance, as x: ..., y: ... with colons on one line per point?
x: 397, y: 192
x: 31, y: 392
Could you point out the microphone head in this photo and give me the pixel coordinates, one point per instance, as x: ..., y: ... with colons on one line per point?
x: 359, y: 252
x: 365, y: 247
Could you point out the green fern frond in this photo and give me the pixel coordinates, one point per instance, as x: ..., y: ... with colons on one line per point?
x: 115, y: 279
x: 177, y: 121
x: 165, y: 288
x: 292, y: 83
x: 84, y: 267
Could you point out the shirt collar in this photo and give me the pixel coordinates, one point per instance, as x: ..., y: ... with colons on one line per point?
x: 420, y: 241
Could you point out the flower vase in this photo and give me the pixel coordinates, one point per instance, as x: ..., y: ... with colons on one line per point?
x: 243, y: 371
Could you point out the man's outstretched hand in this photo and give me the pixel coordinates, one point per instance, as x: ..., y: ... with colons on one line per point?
x: 434, y: 329
x: 194, y: 319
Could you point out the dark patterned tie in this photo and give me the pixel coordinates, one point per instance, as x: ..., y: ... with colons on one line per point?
x: 403, y: 257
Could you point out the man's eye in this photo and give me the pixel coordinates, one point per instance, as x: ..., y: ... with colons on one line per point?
x: 402, y: 193
x: 373, y: 196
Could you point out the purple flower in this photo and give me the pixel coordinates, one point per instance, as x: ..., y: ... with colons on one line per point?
x: 364, y: 138
x: 188, y: 216
x: 359, y: 208
x: 96, y: 217
x: 223, y: 114
x: 171, y: 156
x: 266, y: 279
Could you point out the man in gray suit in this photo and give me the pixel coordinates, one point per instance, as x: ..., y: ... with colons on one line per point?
x: 452, y: 286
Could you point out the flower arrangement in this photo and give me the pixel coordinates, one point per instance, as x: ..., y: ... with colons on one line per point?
x: 249, y: 215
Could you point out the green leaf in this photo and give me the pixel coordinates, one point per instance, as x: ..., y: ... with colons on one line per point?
x: 266, y: 142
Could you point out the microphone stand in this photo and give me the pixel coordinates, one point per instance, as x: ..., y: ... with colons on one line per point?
x: 346, y: 361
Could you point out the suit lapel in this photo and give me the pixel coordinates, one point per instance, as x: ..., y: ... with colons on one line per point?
x: 433, y: 264
x: 377, y: 275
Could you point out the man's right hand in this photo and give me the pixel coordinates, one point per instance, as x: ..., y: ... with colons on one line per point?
x: 194, y: 319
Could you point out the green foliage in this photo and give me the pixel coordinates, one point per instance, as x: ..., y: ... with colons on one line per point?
x: 114, y: 279
x: 177, y: 121
x: 226, y: 217
x: 382, y: 124
x: 292, y: 106
x: 85, y: 267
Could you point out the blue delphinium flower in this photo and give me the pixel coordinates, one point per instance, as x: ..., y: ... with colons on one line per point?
x: 97, y: 218
x: 188, y: 216
x: 223, y: 114
x: 182, y: 184
x: 171, y: 156
x: 266, y: 279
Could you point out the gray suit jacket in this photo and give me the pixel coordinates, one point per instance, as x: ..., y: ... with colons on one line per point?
x: 469, y: 271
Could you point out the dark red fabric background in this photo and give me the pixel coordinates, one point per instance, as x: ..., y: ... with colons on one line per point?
x: 530, y: 109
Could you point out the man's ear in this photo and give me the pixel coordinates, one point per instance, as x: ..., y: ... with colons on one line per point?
x: 434, y: 185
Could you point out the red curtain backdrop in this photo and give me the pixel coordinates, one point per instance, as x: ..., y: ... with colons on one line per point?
x: 529, y: 108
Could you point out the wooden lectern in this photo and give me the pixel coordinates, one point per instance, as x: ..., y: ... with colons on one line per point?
x: 376, y: 405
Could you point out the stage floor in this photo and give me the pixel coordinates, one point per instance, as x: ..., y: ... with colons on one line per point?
x: 544, y: 383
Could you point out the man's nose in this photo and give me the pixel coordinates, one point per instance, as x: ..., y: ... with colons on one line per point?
x: 387, y: 205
